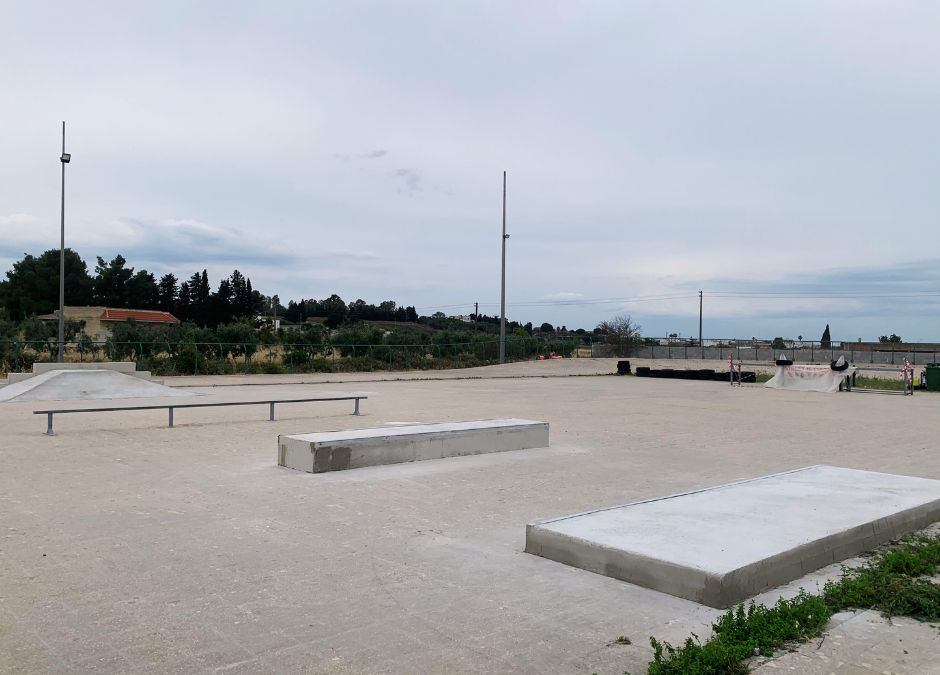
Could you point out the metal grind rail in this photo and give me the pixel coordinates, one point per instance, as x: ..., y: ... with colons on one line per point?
x: 172, y: 407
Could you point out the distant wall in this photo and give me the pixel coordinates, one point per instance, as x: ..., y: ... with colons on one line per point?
x: 916, y: 356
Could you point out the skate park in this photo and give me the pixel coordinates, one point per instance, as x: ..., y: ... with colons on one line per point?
x: 133, y: 546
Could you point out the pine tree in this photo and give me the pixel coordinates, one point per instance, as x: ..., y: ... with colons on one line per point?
x: 184, y: 303
x: 168, y: 293
x: 826, y: 338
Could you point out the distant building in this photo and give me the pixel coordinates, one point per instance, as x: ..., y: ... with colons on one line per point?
x: 463, y: 318
x: 98, y: 320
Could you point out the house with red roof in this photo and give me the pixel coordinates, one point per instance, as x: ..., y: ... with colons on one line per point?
x: 98, y: 320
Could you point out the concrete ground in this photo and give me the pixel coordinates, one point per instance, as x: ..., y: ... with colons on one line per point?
x: 130, y: 547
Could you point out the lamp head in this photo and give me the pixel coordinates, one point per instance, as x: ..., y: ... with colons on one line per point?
x: 65, y: 158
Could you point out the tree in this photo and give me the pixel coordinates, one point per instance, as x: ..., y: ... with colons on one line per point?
x: 184, y: 303
x: 546, y: 328
x: 142, y: 291
x: 241, y: 294
x: 778, y: 343
x: 826, y: 341
x: 892, y: 339
x: 32, y: 286
x: 222, y: 306
x: 168, y: 293
x: 623, y: 335
x: 335, y: 310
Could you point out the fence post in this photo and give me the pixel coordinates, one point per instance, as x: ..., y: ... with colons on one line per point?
x: 16, y: 349
x: 354, y: 359
x: 196, y: 351
x: 221, y: 362
x: 291, y: 359
x: 333, y: 353
x: 169, y: 359
x: 440, y: 365
x: 245, y: 347
x: 371, y: 359
x: 390, y: 358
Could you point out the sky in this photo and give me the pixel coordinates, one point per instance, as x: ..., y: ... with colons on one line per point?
x: 780, y: 156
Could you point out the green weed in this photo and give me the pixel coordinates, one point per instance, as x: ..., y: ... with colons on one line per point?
x: 892, y: 582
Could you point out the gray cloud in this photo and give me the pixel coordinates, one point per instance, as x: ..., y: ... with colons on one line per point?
x: 411, y: 180
x: 375, y: 154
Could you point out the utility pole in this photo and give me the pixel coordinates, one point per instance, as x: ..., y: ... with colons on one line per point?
x: 476, y: 315
x: 502, y: 300
x: 65, y: 160
x: 700, y: 343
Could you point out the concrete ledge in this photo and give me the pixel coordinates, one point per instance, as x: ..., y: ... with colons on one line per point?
x: 356, y: 448
x: 722, y: 545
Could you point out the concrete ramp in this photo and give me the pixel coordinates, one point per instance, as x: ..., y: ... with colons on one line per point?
x: 722, y: 545
x: 356, y: 448
x: 85, y: 385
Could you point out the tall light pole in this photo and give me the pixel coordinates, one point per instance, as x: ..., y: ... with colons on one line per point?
x: 502, y: 299
x: 65, y: 158
x: 700, y: 343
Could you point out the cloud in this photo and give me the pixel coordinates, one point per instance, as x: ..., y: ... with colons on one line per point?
x: 563, y: 296
x: 19, y: 219
x: 375, y: 154
x: 411, y: 178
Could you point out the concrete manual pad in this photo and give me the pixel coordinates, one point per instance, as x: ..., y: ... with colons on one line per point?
x: 356, y: 448
x: 722, y: 545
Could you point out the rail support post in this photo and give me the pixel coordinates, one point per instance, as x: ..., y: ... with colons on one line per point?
x: 170, y: 425
x: 272, y: 412
x: 49, y: 426
x: 356, y: 412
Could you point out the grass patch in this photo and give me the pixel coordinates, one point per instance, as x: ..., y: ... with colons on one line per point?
x: 763, y: 377
x: 892, y: 582
x: 893, y: 384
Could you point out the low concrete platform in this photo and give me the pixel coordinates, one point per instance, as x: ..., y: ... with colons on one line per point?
x: 85, y: 384
x: 126, y: 367
x: 357, y: 448
x: 722, y: 545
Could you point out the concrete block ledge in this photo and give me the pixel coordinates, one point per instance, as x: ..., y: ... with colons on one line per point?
x: 356, y: 448
x: 721, y: 545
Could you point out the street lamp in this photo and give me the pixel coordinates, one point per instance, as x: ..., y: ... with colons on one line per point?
x: 502, y: 294
x: 65, y: 159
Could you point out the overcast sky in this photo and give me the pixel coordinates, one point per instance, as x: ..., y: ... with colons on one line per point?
x: 652, y: 149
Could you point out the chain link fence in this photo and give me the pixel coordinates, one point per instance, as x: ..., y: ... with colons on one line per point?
x: 204, y: 358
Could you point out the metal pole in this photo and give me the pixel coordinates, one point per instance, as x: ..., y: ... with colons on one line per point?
x: 502, y: 299
x: 476, y: 315
x: 62, y: 260
x: 700, y: 343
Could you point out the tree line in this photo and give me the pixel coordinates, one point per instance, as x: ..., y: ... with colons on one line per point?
x: 31, y: 289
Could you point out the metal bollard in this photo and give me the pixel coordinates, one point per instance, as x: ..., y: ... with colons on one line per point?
x: 171, y: 418
x: 49, y: 430
x: 354, y: 413
x: 272, y: 412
